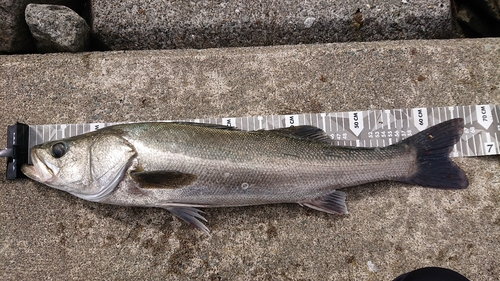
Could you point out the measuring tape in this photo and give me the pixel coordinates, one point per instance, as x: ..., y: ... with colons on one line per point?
x: 371, y: 128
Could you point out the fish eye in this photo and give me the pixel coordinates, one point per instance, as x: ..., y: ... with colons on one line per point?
x: 59, y: 149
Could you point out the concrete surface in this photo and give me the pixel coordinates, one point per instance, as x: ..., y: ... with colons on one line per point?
x: 158, y: 24
x: 392, y: 228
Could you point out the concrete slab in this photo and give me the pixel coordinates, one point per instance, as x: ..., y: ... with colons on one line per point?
x: 392, y: 228
x: 157, y: 24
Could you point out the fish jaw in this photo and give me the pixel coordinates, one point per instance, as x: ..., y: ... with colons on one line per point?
x: 38, y: 171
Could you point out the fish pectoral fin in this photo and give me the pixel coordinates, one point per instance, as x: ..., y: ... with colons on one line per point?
x: 163, y: 179
x: 333, y: 203
x: 190, y: 215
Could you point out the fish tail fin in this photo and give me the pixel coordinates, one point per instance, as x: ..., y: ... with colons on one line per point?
x: 434, y: 167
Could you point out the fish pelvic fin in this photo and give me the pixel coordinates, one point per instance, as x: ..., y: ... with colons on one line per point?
x: 434, y: 167
x: 190, y: 215
x: 332, y: 203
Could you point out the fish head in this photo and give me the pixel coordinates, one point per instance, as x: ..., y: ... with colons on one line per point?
x: 89, y: 166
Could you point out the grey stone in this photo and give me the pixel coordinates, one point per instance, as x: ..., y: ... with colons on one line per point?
x: 57, y: 28
x: 46, y: 234
x: 15, y: 36
x: 158, y: 24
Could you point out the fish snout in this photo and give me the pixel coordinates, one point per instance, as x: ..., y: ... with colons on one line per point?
x: 38, y: 171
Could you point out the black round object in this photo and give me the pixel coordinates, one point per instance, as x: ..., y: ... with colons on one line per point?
x: 432, y: 274
x: 59, y: 149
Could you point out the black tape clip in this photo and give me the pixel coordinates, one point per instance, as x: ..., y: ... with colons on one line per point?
x: 17, y: 150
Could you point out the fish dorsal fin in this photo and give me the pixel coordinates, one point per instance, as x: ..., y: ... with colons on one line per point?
x: 304, y: 132
x: 301, y: 132
x: 163, y: 179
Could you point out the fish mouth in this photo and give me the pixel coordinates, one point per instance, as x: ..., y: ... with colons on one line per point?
x: 38, y: 171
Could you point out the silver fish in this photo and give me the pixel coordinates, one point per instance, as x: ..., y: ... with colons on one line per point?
x: 185, y: 166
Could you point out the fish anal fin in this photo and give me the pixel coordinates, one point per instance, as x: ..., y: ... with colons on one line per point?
x: 333, y: 203
x: 190, y: 215
x: 304, y: 132
x: 163, y: 179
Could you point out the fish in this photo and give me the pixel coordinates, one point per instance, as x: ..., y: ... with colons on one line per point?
x: 182, y: 167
